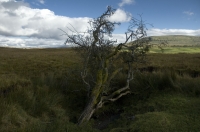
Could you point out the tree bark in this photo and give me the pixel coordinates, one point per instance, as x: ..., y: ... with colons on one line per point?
x: 88, y: 112
x: 94, y: 104
x: 97, y: 100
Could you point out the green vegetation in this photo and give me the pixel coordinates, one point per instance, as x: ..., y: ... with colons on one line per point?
x: 41, y: 90
x: 176, y: 49
x: 177, y: 40
x: 176, y: 44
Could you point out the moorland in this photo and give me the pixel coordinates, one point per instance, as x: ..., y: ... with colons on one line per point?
x: 41, y: 90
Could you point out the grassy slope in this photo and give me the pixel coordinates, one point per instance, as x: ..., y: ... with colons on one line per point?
x: 180, y: 40
x: 177, y: 44
x: 175, y: 50
x: 40, y: 90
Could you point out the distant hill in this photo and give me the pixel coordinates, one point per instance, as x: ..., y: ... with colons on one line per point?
x: 177, y: 40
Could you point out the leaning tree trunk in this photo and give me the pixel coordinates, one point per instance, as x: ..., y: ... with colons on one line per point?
x: 95, y: 103
x: 91, y: 106
x: 88, y: 112
x: 97, y: 100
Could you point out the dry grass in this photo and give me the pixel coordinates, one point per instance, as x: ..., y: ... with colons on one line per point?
x: 41, y: 90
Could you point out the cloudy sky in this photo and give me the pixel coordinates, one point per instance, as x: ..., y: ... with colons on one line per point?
x: 36, y: 23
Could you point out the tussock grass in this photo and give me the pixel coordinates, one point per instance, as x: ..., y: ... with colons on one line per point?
x: 161, y: 101
x: 41, y: 90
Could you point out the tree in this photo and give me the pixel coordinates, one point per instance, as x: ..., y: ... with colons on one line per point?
x: 100, y: 55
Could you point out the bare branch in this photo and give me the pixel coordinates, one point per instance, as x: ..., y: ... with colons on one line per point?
x: 100, y: 58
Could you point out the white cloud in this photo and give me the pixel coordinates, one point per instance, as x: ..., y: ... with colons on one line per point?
x: 19, y: 21
x: 41, y: 1
x: 23, y: 26
x: 27, y: 42
x: 4, y: 0
x: 120, y: 16
x: 126, y: 2
x: 119, y: 37
x: 189, y: 13
x: 42, y: 23
x: 161, y: 32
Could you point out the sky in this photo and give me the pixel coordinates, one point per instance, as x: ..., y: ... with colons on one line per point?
x: 36, y: 23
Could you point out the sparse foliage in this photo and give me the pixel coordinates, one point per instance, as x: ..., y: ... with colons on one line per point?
x: 100, y: 56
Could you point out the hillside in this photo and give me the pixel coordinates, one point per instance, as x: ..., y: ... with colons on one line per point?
x: 177, y: 40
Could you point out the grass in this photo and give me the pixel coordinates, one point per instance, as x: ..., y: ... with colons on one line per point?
x: 30, y: 62
x: 41, y: 90
x: 164, y: 112
x: 175, y: 50
x: 161, y: 103
x: 178, y: 40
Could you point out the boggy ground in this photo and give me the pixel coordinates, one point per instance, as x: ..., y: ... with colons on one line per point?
x: 41, y: 90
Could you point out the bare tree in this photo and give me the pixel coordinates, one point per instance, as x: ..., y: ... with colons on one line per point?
x: 100, y: 56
